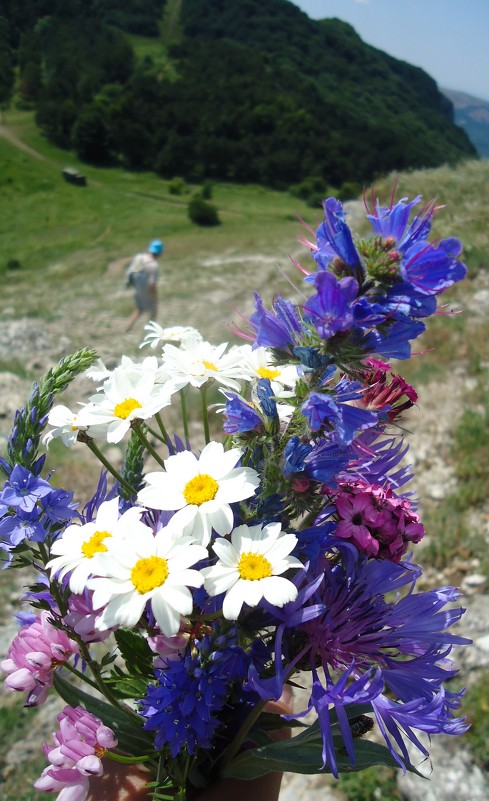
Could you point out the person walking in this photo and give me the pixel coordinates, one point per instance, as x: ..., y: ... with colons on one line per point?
x: 142, y: 274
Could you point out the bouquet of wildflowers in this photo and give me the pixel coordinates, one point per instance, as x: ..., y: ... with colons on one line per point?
x: 201, y: 579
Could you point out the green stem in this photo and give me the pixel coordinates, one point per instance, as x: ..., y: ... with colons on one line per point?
x: 156, y: 434
x: 99, y: 682
x: 163, y: 430
x: 98, y: 453
x: 147, y: 444
x: 234, y: 747
x: 129, y: 760
x: 183, y: 405
x: 205, y: 413
x: 80, y: 675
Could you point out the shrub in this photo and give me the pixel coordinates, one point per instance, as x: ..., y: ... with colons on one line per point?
x: 207, y: 188
x: 202, y: 213
x: 177, y: 186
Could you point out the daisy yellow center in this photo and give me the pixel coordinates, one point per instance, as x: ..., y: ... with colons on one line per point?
x: 200, y: 489
x: 124, y: 409
x: 95, y: 544
x: 209, y: 365
x: 149, y: 573
x: 254, y: 566
x: 266, y: 372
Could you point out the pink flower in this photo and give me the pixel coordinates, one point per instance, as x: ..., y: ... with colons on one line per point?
x: 378, y: 522
x: 36, y: 651
x: 82, y: 618
x: 79, y: 746
x: 168, y: 649
x: 392, y: 394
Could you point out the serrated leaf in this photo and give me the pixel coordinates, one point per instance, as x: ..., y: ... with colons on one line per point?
x: 135, y: 652
x: 128, y: 686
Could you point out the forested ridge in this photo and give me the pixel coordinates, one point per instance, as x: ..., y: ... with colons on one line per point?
x: 240, y: 90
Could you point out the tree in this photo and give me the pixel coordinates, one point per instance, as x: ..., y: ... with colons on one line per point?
x: 90, y: 136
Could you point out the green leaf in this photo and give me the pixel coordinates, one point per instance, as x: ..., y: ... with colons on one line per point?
x: 126, y: 725
x: 135, y: 652
x: 305, y: 757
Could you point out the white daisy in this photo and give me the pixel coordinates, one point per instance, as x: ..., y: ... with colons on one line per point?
x: 144, y: 568
x: 66, y: 425
x: 258, y: 363
x: 132, y: 392
x: 200, y: 490
x: 249, y: 568
x: 75, y: 550
x: 195, y: 362
x: 173, y: 333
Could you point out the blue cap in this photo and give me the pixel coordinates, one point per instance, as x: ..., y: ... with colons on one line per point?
x: 156, y: 247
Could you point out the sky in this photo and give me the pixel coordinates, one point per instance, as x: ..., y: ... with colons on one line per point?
x: 449, y: 39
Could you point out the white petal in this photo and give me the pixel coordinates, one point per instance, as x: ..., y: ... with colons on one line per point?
x: 233, y: 602
x: 226, y: 552
x: 278, y: 591
x: 166, y: 616
x: 124, y: 610
x: 221, y: 519
x: 219, y: 579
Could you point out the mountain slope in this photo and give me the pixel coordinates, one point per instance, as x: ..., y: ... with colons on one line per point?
x: 247, y: 91
x: 472, y: 114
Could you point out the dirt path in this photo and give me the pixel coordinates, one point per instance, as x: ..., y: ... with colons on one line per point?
x: 10, y: 136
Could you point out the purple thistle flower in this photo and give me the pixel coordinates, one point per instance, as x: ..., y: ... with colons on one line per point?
x: 373, y: 459
x: 361, y: 631
x: 433, y: 716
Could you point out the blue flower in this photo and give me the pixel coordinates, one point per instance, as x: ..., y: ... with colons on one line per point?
x: 325, y: 461
x: 275, y: 329
x: 240, y: 416
x: 295, y: 453
x: 265, y: 396
x: 23, y: 489
x: 183, y: 707
x: 16, y: 528
x: 58, y: 506
x: 335, y: 242
x: 322, y: 410
x: 330, y: 310
x: 392, y: 222
x: 433, y: 269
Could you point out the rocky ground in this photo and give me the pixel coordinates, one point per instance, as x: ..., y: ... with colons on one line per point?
x: 453, y: 775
